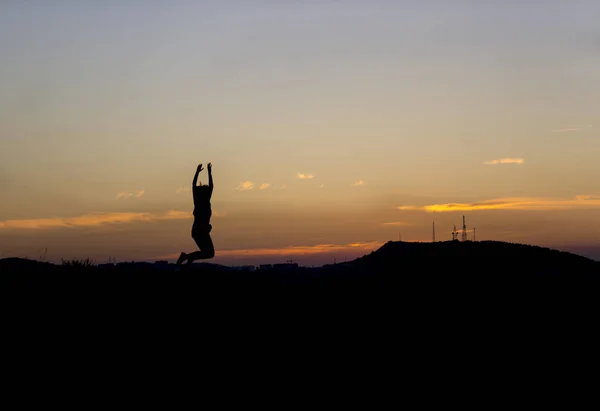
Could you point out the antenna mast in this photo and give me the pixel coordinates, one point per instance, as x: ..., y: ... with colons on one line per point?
x: 464, y: 230
x: 454, y: 233
x: 473, y: 233
x: 434, y: 231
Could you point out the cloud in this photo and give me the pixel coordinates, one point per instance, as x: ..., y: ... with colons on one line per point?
x: 572, y: 128
x: 516, y: 203
x: 322, y: 185
x: 301, y: 176
x: 292, y: 250
x: 358, y: 183
x: 97, y: 219
x: 397, y: 223
x: 282, y: 187
x: 245, y: 186
x: 408, y: 208
x: 587, y: 197
x: 137, y: 193
x: 93, y: 220
x: 506, y: 161
x: 182, y: 189
x: 264, y: 186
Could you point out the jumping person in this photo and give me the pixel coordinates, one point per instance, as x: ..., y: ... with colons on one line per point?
x: 202, y: 213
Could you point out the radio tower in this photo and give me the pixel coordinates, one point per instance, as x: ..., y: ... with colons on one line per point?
x: 434, y: 231
x: 464, y: 230
x: 473, y: 233
x: 454, y: 233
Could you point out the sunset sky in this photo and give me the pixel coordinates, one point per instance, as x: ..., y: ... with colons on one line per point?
x: 332, y: 126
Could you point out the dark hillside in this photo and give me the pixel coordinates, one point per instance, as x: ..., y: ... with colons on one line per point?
x: 409, y: 275
x: 481, y: 256
x: 470, y: 271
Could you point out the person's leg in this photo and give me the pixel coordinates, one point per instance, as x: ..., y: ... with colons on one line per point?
x: 206, y: 246
x: 201, y: 235
x: 182, y: 258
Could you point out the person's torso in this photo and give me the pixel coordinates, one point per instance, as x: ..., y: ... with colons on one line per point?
x: 202, y: 207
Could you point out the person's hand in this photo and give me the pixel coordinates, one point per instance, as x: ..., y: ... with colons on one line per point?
x: 209, y: 167
x: 199, y: 169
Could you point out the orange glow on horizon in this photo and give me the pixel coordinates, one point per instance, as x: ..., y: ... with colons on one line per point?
x: 291, y: 250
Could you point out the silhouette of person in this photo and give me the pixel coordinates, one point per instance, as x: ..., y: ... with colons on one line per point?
x: 202, y: 213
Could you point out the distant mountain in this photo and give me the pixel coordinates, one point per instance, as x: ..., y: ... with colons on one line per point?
x: 468, y: 276
x: 469, y: 257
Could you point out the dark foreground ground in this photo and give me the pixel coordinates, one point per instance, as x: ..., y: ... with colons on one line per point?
x: 415, y: 276
x: 443, y: 312
x: 422, y: 302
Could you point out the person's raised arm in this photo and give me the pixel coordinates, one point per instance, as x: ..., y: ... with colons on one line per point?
x: 198, y: 170
x: 210, y: 178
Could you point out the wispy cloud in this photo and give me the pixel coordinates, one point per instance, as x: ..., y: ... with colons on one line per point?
x: 322, y: 185
x: 293, y: 250
x: 572, y: 128
x: 93, y: 220
x: 358, y: 183
x: 397, y: 223
x: 301, y: 176
x: 506, y: 161
x: 182, y: 189
x: 245, y: 186
x: 515, y: 203
x: 264, y: 186
x: 585, y: 197
x: 137, y: 194
x: 282, y: 187
x: 409, y: 208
